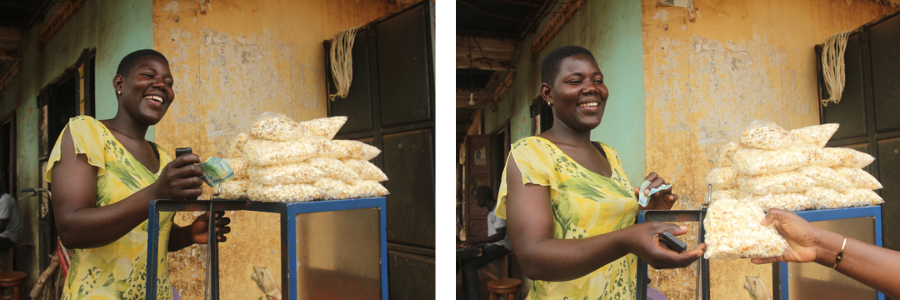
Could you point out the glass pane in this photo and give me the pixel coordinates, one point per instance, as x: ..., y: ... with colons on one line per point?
x: 814, y: 281
x: 338, y: 255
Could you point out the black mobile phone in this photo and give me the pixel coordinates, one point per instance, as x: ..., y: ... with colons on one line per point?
x: 183, y: 151
x: 672, y: 242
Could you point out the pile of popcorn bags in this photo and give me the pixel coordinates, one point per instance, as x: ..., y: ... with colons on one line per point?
x: 770, y: 167
x: 285, y: 161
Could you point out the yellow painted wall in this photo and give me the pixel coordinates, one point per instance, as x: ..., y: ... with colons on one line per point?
x: 233, y: 60
x: 705, y: 80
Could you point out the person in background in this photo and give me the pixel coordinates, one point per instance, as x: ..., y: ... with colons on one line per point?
x: 495, y: 244
x: 874, y: 266
x: 10, y: 225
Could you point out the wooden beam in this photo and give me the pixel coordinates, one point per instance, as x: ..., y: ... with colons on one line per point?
x: 486, y: 53
x: 10, y: 33
x: 523, y: 2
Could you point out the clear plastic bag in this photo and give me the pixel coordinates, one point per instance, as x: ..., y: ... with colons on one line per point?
x: 733, y: 194
x: 368, y: 188
x: 236, y: 146
x: 358, y: 150
x: 366, y: 170
x: 334, y: 189
x: 766, y: 136
x: 785, y: 201
x: 733, y: 231
x: 725, y: 155
x: 282, y: 193
x: 234, y: 189
x: 265, y: 153
x: 752, y: 162
x: 820, y: 156
x: 826, y: 177
x: 238, y: 166
x: 859, y: 178
x: 276, y: 127
x: 722, y: 178
x: 775, y: 183
x: 851, y: 158
x: 825, y: 198
x: 284, y: 174
x: 334, y: 168
x: 863, y: 197
x: 334, y: 150
x: 816, y: 135
x: 324, y: 127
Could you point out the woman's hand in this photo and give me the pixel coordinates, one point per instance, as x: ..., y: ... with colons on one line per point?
x: 200, y: 228
x: 643, y: 241
x: 662, y: 200
x: 800, y: 235
x: 470, y: 242
x: 180, y: 179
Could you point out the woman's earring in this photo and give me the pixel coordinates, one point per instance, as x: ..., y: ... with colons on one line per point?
x: 548, y: 103
x: 119, y: 92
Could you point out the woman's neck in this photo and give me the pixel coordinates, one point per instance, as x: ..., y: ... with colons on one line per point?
x: 568, y: 135
x: 127, y: 127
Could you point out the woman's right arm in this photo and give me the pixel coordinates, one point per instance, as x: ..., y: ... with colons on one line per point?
x: 542, y: 257
x: 80, y: 224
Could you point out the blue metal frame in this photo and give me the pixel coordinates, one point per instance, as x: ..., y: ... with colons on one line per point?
x: 674, y: 216
x: 782, y: 279
x: 288, y: 212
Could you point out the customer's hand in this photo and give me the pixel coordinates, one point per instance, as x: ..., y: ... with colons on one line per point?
x: 180, y: 179
x: 200, y: 228
x: 662, y: 200
x: 800, y: 235
x: 644, y: 242
x: 470, y: 242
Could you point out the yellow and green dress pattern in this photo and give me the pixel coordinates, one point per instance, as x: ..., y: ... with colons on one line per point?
x: 584, y: 204
x: 117, y: 270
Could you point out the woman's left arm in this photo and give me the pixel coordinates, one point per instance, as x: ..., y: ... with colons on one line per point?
x: 663, y: 200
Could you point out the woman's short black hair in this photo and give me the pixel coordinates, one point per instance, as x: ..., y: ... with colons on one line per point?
x: 485, y: 192
x: 551, y: 63
x: 129, y: 61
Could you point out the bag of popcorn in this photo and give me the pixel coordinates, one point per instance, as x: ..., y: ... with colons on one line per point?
x: 816, y: 135
x: 765, y: 136
x: 733, y: 231
x: 752, y: 162
x: 324, y: 127
x: 284, y: 174
x: 775, y: 183
x: 859, y: 178
x: 276, y: 127
x: 282, y: 193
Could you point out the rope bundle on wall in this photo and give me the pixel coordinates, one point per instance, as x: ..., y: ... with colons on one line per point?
x: 833, y: 66
x: 342, y: 61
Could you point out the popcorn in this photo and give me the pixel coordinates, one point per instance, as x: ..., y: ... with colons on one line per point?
x: 726, y: 154
x: 334, y: 168
x: 816, y: 135
x: 264, y: 153
x: 752, y: 162
x: 734, y: 194
x: 284, y: 174
x: 369, y: 188
x: 766, y: 136
x: 775, y: 183
x: 236, y: 146
x: 785, y: 201
x: 324, y: 127
x: 234, y: 189
x: 276, y: 127
x: 334, y: 189
x: 863, y: 197
x: 825, y: 198
x: 826, y: 177
x: 859, y: 179
x: 238, y: 167
x: 283, y: 193
x: 366, y: 170
x: 357, y: 149
x: 851, y: 158
x: 733, y: 231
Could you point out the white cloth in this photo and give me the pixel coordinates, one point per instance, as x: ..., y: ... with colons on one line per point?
x: 10, y: 213
x: 494, y: 223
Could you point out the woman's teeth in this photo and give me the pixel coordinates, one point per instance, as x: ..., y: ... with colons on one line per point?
x: 589, y: 104
x: 155, y: 98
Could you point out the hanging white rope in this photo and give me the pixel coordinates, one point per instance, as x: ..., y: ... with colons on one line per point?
x: 833, y: 66
x: 342, y: 61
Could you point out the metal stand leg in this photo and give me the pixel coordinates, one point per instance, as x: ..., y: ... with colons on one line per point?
x: 212, y: 281
x: 152, y: 250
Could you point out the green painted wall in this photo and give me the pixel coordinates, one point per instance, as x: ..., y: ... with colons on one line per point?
x: 611, y: 30
x: 114, y: 28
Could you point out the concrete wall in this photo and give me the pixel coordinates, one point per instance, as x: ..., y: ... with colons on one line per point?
x: 740, y: 61
x: 611, y: 31
x: 233, y: 60
x: 114, y: 28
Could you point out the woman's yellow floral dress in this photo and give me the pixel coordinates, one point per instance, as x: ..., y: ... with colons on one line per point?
x: 117, y: 270
x: 585, y: 204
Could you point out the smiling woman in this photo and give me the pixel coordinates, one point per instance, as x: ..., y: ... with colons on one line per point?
x: 104, y: 174
x: 569, y: 206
